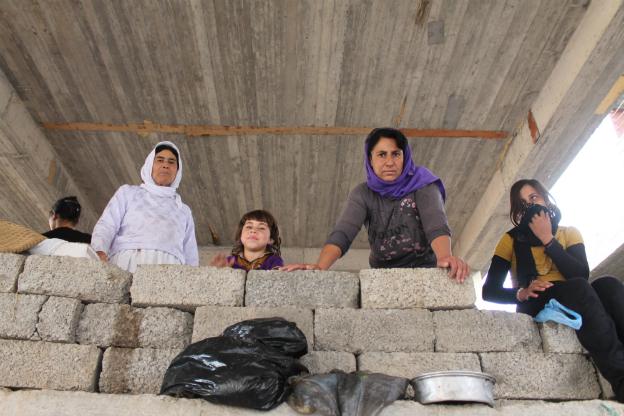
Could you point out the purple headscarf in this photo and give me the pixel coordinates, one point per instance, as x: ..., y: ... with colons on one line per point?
x: 412, y: 177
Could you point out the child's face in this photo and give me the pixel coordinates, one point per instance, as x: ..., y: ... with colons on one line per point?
x: 255, y: 235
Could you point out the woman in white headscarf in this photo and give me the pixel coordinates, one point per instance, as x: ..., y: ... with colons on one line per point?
x: 149, y: 224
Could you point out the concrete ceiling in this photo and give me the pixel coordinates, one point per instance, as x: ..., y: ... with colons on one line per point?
x: 453, y: 65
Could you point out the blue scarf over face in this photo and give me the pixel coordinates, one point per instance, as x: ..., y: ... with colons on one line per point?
x: 411, y: 178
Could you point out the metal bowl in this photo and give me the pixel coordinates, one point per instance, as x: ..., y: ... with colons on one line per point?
x: 454, y: 386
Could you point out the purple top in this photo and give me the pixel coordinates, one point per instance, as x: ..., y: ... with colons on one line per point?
x: 267, y: 262
x: 411, y: 179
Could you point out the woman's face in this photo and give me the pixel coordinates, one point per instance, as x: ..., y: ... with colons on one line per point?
x: 529, y: 195
x: 387, y: 159
x: 165, y: 168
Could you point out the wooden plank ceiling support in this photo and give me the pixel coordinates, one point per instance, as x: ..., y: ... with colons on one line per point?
x: 210, y: 130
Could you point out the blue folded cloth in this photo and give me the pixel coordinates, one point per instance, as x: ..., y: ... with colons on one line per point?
x: 554, y: 311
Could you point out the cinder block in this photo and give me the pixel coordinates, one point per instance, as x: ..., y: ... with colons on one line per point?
x: 302, y: 289
x: 124, y: 326
x: 559, y: 338
x: 210, y: 321
x: 364, y: 330
x: 320, y: 362
x: 10, y: 268
x: 48, y: 365
x: 187, y: 287
x: 480, y: 331
x: 58, y: 319
x: 165, y: 328
x: 530, y: 375
x: 135, y: 371
x: 415, y: 288
x: 410, y: 365
x: 605, y: 386
x: 84, y: 279
x: 19, y: 314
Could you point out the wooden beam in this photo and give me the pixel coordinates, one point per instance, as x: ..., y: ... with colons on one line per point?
x: 212, y: 130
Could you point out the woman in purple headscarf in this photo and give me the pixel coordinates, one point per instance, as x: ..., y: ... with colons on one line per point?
x: 402, y: 207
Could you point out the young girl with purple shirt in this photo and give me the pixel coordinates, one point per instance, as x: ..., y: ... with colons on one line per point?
x: 257, y: 245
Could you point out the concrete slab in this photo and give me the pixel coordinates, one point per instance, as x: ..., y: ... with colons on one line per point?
x: 58, y: 319
x: 165, y: 328
x: 48, y: 365
x: 302, y: 289
x: 319, y: 362
x: 19, y: 315
x: 187, y: 287
x: 559, y: 338
x: 211, y: 321
x: 364, y: 330
x: 134, y: 371
x: 479, y: 331
x: 525, y: 375
x: 414, y: 288
x: 84, y: 279
x: 10, y: 267
x: 410, y: 365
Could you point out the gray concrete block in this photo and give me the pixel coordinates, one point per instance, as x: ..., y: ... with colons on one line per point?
x: 302, y: 289
x: 58, y: 319
x: 19, y: 315
x: 530, y: 375
x: 187, y: 287
x: 135, y: 371
x: 48, y: 365
x: 605, y: 386
x: 479, y: 331
x: 559, y: 338
x: 415, y: 288
x: 124, y: 326
x: 10, y: 268
x: 319, y: 362
x: 211, y: 321
x: 84, y: 279
x: 410, y: 365
x: 165, y: 328
x: 364, y: 330
x: 105, y: 324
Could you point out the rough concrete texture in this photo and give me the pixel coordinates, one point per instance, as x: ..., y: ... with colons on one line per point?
x: 480, y: 331
x: 48, y: 365
x: 319, y: 362
x: 559, y: 338
x: 58, y: 319
x: 64, y: 403
x: 186, y: 287
x: 19, y: 314
x: 364, y: 330
x: 303, y: 289
x: 414, y: 288
x: 410, y: 365
x: 10, y: 268
x: 84, y: 279
x: 134, y: 371
x: 530, y: 375
x: 210, y: 321
x: 106, y: 325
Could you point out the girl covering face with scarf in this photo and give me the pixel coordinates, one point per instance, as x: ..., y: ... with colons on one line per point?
x: 149, y: 224
x: 402, y: 207
x: 548, y: 261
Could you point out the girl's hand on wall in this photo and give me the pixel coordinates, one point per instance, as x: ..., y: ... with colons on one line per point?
x: 541, y: 227
x: 299, y: 266
x: 458, y: 267
x: 102, y: 255
x: 533, y: 291
x: 221, y: 260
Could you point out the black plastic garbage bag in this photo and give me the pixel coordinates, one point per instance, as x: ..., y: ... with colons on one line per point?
x: 341, y: 394
x: 278, y: 333
x: 233, y: 371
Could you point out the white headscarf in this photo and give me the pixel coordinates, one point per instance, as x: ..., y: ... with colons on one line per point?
x: 151, y: 186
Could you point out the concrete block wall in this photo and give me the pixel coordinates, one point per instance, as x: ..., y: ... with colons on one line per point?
x: 74, y: 324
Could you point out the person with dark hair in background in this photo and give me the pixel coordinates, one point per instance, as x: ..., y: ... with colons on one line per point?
x: 64, y: 217
x: 548, y: 261
x: 401, y: 205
